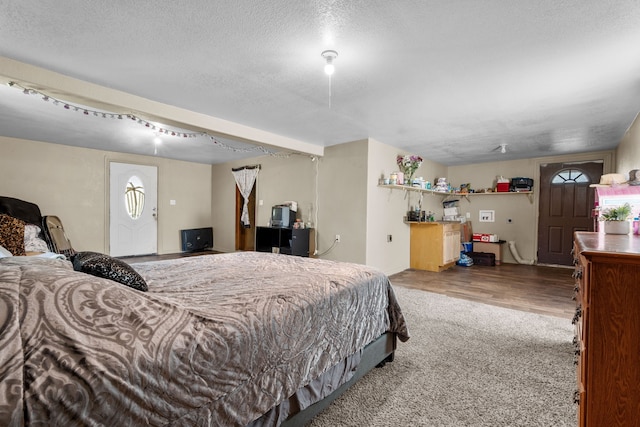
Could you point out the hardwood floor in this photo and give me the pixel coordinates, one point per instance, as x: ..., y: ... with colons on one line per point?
x: 537, y: 289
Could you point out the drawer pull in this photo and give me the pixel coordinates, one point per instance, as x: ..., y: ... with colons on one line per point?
x: 576, y: 349
x: 577, y: 315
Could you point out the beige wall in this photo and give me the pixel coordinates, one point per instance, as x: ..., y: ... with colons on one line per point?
x: 72, y: 183
x: 386, y: 208
x: 342, y: 195
x: 280, y: 179
x: 628, y: 152
x: 517, y: 207
x: 349, y: 202
x: 521, y: 209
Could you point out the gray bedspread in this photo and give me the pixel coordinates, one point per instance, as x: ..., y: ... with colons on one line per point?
x: 217, y: 341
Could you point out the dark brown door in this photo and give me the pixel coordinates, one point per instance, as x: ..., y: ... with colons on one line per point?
x: 566, y: 202
x: 245, y: 236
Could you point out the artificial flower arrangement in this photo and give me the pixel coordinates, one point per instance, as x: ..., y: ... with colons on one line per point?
x: 409, y: 164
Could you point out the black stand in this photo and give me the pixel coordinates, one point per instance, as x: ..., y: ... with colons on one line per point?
x: 289, y: 241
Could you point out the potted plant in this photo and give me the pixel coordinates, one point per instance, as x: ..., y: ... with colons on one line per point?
x: 615, y: 219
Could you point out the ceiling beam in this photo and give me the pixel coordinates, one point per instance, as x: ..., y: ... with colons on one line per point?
x: 92, y: 95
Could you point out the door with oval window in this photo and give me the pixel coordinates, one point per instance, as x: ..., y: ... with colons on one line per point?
x: 566, y: 202
x: 133, y: 212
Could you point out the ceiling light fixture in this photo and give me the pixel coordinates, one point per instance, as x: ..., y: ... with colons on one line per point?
x: 329, y: 56
x: 503, y: 148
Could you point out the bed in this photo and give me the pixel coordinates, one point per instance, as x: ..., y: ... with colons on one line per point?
x: 242, y: 339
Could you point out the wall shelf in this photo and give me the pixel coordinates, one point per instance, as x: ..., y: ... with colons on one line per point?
x: 467, y: 196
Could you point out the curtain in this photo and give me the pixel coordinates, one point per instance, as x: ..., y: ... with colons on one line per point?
x: 245, y: 178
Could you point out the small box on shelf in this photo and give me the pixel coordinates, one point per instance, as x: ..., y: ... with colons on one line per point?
x: 502, y: 187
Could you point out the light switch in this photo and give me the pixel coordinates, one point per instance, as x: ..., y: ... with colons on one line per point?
x: 172, y: 202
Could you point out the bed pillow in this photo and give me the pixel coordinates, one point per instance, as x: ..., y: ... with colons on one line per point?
x: 12, y: 234
x: 32, y: 240
x: 107, y: 267
x: 4, y: 252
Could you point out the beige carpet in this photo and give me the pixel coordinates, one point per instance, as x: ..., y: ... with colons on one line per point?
x: 466, y: 364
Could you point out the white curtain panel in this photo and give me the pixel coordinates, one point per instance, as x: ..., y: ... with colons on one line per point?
x: 245, y: 178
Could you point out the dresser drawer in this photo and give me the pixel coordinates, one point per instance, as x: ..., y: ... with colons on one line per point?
x: 607, y: 327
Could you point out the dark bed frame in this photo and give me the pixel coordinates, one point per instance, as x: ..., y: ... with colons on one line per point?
x: 375, y: 354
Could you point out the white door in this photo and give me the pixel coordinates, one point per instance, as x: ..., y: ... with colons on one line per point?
x: 133, y: 228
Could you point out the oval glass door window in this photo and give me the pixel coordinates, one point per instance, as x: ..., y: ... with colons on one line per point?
x: 134, y: 197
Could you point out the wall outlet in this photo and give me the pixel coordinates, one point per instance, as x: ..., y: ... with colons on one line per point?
x: 389, y: 238
x: 338, y: 238
x: 487, y: 216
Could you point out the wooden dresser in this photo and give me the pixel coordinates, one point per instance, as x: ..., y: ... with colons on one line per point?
x: 607, y: 324
x: 435, y: 246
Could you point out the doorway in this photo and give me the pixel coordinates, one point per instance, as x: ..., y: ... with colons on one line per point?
x: 246, y: 236
x: 133, y: 201
x: 566, y: 203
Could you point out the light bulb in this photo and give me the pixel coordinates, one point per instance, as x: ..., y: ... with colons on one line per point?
x: 329, y: 69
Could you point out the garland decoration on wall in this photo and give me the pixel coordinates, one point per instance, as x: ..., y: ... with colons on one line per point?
x: 153, y: 127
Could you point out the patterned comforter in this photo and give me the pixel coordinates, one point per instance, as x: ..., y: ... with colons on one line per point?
x: 217, y: 340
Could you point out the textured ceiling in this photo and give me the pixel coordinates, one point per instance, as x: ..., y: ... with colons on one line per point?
x: 448, y: 80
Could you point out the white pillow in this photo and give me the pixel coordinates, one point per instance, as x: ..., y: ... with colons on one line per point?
x: 32, y: 240
x: 4, y: 253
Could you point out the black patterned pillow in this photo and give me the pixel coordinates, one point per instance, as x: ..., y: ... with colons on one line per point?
x: 107, y: 267
x: 12, y: 234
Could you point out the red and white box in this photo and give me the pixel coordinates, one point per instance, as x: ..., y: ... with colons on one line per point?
x: 482, y: 237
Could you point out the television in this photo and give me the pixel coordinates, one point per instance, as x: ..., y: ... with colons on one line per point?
x: 282, y: 217
x: 196, y: 239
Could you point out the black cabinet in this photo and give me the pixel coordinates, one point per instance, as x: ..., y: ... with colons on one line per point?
x: 289, y: 241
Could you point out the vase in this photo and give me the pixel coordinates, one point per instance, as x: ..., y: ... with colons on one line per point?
x: 408, y: 178
x: 617, y: 227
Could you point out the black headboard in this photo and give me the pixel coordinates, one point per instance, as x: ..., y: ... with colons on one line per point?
x: 26, y: 211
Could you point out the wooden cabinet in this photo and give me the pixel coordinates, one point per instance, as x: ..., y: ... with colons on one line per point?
x: 607, y: 326
x: 289, y: 241
x: 435, y: 246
